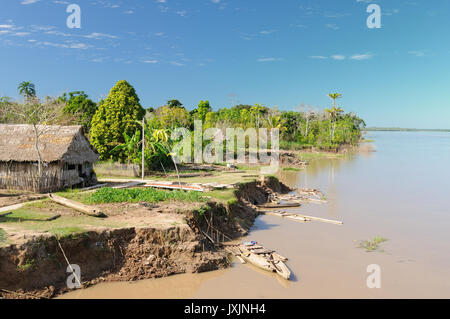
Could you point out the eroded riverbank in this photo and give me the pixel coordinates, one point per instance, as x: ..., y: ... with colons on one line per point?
x: 163, y: 242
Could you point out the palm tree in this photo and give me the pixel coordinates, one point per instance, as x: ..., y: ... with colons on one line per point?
x: 334, y: 97
x: 334, y: 114
x: 27, y: 89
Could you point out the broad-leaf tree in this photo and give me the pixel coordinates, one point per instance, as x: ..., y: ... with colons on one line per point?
x: 114, y: 117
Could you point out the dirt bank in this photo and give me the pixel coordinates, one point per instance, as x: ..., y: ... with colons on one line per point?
x: 36, y: 268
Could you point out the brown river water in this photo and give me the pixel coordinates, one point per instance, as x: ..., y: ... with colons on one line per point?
x: 400, y: 192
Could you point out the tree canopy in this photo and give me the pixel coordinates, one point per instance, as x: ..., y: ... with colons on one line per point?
x: 118, y: 114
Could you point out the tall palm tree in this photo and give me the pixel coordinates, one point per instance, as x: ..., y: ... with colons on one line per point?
x: 27, y: 89
x: 334, y: 113
x: 334, y: 97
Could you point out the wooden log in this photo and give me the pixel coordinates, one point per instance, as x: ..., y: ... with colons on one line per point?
x: 286, y: 205
x: 337, y: 222
x: 240, y: 259
x: 85, y: 209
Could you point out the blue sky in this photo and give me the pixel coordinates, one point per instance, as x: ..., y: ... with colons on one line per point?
x: 279, y: 53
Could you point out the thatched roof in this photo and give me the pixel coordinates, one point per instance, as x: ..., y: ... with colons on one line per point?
x: 56, y: 143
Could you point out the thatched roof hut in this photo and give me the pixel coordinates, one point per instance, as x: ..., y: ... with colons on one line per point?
x: 66, y: 154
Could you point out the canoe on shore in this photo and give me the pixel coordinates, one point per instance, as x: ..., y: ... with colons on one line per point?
x: 262, y: 258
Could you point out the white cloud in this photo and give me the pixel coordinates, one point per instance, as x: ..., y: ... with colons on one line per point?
x: 338, y: 57
x: 268, y: 59
x: 128, y: 12
x: 6, y: 26
x: 361, y: 56
x: 266, y: 31
x: 417, y: 53
x: 318, y: 57
x: 182, y: 13
x: 177, y: 63
x: 150, y: 61
x: 21, y: 34
x: 96, y: 35
x: 25, y: 2
x: 332, y: 26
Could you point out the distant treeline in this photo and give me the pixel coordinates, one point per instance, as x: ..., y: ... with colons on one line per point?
x: 399, y: 129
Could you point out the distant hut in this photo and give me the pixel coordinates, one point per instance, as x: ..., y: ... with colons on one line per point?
x: 67, y: 158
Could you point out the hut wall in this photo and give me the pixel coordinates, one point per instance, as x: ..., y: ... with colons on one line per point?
x: 24, y: 176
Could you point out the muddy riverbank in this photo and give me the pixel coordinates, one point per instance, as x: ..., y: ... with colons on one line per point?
x: 164, y: 243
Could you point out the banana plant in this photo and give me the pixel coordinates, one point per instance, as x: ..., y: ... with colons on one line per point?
x: 130, y: 145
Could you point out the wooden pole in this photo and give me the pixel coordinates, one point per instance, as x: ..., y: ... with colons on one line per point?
x: 143, y: 144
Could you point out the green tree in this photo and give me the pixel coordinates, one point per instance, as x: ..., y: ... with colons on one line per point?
x: 334, y: 97
x: 130, y: 146
x: 334, y: 114
x: 203, y: 109
x: 80, y: 105
x: 174, y: 103
x: 114, y: 117
x: 27, y: 89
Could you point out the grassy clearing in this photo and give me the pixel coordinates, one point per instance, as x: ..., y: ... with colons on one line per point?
x: 24, y: 214
x: 372, y: 245
x: 135, y: 195
x: 31, y: 217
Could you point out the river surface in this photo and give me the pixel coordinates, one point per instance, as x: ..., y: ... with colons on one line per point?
x: 400, y: 192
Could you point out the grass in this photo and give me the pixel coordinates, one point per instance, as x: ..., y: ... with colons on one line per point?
x: 24, y: 214
x: 372, y: 245
x: 294, y: 169
x: 3, y: 236
x: 135, y: 195
x: 309, y: 156
x: 30, y: 217
x: 222, y: 195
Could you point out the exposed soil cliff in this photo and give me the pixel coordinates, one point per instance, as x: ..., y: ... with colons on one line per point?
x: 37, y: 268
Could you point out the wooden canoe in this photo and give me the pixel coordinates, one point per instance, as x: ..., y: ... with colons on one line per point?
x: 265, y: 259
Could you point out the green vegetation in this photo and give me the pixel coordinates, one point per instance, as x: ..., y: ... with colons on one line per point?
x: 293, y: 169
x: 116, y: 116
x: 81, y: 107
x: 309, y: 156
x: 223, y: 195
x: 31, y: 217
x: 135, y: 195
x: 28, y: 265
x: 3, y: 236
x: 115, y: 124
x: 372, y: 245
